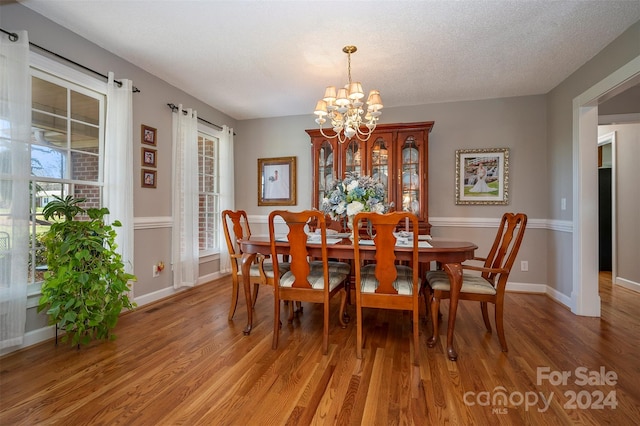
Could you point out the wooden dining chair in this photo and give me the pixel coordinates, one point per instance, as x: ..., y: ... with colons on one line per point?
x: 386, y: 283
x: 488, y: 286
x: 307, y: 280
x: 261, y: 271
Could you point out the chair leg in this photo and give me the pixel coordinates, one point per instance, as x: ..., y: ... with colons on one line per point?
x: 426, y: 292
x: 276, y: 323
x: 416, y: 335
x: 500, y: 327
x: 347, y: 286
x: 325, y: 328
x: 344, y: 318
x: 485, y: 316
x: 234, y: 298
x: 350, y: 292
x: 358, y: 331
x: 292, y: 310
x: 291, y: 305
x: 256, y: 288
x: 435, y: 311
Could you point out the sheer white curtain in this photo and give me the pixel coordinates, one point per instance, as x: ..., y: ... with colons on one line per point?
x: 184, y: 241
x: 227, y: 194
x: 118, y: 166
x: 15, y: 170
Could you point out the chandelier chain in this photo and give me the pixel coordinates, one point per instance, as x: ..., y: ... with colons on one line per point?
x: 349, y: 66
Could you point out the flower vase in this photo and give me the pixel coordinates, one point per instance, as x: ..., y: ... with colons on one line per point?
x: 351, y: 227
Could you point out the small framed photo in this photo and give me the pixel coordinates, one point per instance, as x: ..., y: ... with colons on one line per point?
x: 148, y: 135
x: 482, y: 176
x: 277, y: 181
x: 148, y: 178
x: 149, y: 157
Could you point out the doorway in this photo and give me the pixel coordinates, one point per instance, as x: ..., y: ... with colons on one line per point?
x: 606, y: 202
x: 585, y: 297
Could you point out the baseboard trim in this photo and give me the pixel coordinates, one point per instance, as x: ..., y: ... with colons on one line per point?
x: 633, y: 286
x: 526, y: 288
x: 33, y: 338
x: 539, y: 289
x: 561, y: 298
x: 211, y: 277
x: 170, y: 291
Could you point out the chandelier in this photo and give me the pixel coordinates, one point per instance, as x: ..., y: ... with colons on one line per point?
x: 344, y: 108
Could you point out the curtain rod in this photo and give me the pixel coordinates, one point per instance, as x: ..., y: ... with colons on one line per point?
x: 14, y: 37
x: 174, y: 108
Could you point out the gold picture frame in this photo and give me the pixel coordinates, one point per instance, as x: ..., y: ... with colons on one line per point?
x: 482, y: 176
x: 277, y: 181
x: 148, y: 178
x: 149, y: 157
x: 148, y: 135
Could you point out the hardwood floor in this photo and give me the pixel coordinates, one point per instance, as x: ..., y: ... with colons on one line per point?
x: 180, y: 361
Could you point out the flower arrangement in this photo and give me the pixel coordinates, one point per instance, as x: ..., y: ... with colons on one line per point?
x: 353, y: 195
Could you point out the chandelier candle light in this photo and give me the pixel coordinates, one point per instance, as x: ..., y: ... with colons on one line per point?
x: 344, y: 108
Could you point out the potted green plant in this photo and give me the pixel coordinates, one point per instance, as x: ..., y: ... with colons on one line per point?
x: 85, y: 287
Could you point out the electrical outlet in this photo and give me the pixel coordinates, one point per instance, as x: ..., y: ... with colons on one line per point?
x: 156, y: 272
x: 524, y: 266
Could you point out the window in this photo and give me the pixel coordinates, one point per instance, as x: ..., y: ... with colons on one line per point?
x: 67, y: 139
x: 208, y: 193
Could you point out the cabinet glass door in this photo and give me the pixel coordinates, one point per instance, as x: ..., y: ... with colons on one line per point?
x: 410, y: 178
x: 326, y: 176
x: 380, y: 164
x: 353, y: 158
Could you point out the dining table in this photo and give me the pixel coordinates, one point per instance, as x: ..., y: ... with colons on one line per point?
x: 448, y: 253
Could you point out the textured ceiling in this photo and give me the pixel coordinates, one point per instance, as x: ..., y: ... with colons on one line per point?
x: 254, y: 59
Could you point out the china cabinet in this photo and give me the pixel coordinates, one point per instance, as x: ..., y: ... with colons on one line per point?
x: 395, y: 155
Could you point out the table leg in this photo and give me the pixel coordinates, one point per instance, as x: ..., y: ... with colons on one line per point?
x: 454, y: 270
x: 247, y: 260
x: 344, y: 318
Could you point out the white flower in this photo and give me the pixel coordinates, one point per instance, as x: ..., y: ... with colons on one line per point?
x: 354, y: 207
x: 353, y: 195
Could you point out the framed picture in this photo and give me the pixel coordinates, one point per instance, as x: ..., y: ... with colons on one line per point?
x: 149, y: 157
x: 148, y: 135
x: 482, y: 176
x: 277, y: 181
x: 148, y: 178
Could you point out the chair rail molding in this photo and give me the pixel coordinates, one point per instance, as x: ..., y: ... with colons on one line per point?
x: 486, y: 222
x: 153, y: 222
